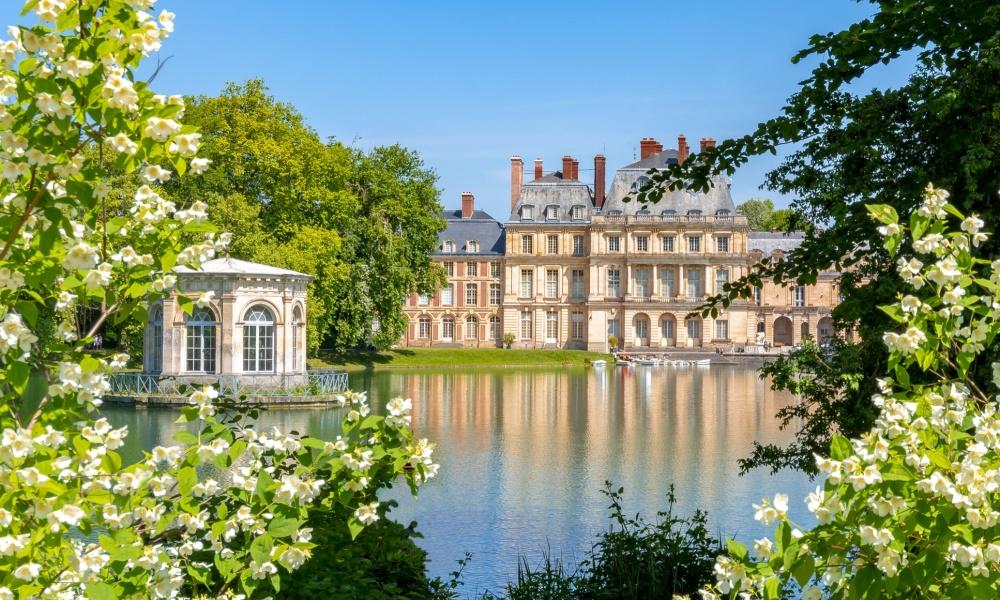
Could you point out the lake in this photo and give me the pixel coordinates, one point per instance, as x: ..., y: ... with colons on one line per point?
x: 525, y: 453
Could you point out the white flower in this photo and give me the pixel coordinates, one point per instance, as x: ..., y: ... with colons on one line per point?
x: 367, y: 513
x: 28, y: 571
x: 972, y: 224
x: 161, y: 129
x: 763, y: 548
x: 156, y: 173
x: 890, y: 229
x: 200, y: 165
x: 123, y: 144
x: 292, y: 558
x: 878, y: 538
x: 81, y: 256
x: 49, y: 10
x: 185, y: 144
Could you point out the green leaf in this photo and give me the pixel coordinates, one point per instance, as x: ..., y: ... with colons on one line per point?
x: 736, y: 549
x: 99, y: 590
x: 840, y: 448
x: 187, y: 478
x: 803, y: 569
x: 260, y: 549
x: 355, y: 526
x: 772, y: 589
x: 883, y: 213
x: 280, y: 527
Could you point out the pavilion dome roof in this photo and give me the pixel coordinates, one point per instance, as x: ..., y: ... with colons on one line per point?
x: 234, y: 266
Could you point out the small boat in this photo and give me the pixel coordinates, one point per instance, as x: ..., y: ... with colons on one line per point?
x: 703, y: 362
x: 598, y: 363
x: 623, y: 363
x: 646, y: 362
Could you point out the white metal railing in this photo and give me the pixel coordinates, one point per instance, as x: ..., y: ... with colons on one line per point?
x: 720, y: 220
x: 316, y: 383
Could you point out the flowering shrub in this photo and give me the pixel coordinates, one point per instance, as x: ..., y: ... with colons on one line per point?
x: 224, y: 509
x: 910, y: 508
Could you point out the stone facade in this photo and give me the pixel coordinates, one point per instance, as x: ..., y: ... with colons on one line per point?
x: 577, y: 267
x: 254, y: 327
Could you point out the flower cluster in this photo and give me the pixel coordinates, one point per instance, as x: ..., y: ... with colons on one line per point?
x: 223, y: 511
x: 910, y: 508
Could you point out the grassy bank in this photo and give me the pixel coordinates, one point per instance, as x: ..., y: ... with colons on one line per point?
x: 454, y: 357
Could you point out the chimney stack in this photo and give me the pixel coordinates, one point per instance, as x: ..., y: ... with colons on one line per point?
x: 516, y: 179
x: 647, y: 147
x: 567, y: 169
x: 468, y: 205
x: 576, y: 169
x: 682, y: 149
x: 599, y: 162
x: 707, y: 143
x: 538, y: 168
x: 657, y: 148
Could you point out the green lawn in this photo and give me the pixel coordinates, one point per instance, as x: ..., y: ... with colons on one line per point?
x: 454, y: 357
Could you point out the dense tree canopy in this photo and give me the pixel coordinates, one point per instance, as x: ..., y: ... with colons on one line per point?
x: 878, y: 146
x: 362, y: 223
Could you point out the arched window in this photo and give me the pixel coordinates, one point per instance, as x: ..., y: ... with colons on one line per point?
x: 638, y: 183
x: 472, y: 246
x: 200, y: 344
x: 448, y: 247
x: 471, y: 328
x: 297, y: 330
x: 156, y: 340
x: 258, y: 340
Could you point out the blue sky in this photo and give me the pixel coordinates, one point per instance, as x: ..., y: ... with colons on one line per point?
x: 468, y: 84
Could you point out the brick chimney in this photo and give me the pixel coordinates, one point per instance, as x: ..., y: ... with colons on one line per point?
x: 567, y: 170
x: 538, y: 168
x: 707, y: 143
x: 599, y: 163
x: 682, y: 149
x: 657, y: 148
x: 576, y: 170
x: 468, y: 205
x: 516, y: 179
x: 647, y: 147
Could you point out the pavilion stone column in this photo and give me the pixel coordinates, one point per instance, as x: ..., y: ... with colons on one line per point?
x: 628, y: 280
x: 681, y: 282
x: 172, y: 337
x: 228, y: 339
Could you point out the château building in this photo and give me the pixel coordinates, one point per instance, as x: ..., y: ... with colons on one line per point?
x: 576, y: 264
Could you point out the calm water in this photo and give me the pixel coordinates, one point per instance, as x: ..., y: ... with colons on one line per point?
x: 525, y: 453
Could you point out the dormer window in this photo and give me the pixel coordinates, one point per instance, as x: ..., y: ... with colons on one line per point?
x: 552, y: 213
x: 668, y: 213
x: 642, y: 212
x: 448, y: 247
x: 614, y: 213
x: 527, y: 213
x: 577, y: 213
x: 472, y: 246
x: 694, y: 212
x: 639, y: 183
x: 722, y: 212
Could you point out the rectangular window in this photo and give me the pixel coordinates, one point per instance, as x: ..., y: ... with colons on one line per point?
x: 201, y: 348
x: 552, y: 244
x: 551, y: 326
x: 722, y: 244
x: 494, y: 294
x: 471, y: 294
x: 614, y: 283
x: 527, y: 283
x: 472, y: 269
x: 527, y: 244
x: 494, y: 328
x: 668, y: 243
x: 423, y: 300
x: 642, y: 283
x: 694, y: 284
x: 615, y: 329
x: 577, y: 213
x: 757, y: 299
x: 576, y: 287
x: 667, y: 289
x: 526, y: 333
x: 448, y: 328
x: 527, y: 213
x: 449, y: 269
x: 642, y: 243
x: 424, y: 328
x: 576, y: 332
x: 577, y: 245
x: 614, y: 243
x: 494, y: 269
x: 551, y: 283
x: 472, y: 328
x: 694, y: 244
x: 721, y: 279
x: 800, y: 295
x: 551, y: 213
x: 448, y: 295
x: 721, y: 329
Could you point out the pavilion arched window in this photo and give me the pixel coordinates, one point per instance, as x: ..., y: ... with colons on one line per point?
x: 297, y: 329
x: 199, y: 330
x: 156, y: 340
x: 258, y: 340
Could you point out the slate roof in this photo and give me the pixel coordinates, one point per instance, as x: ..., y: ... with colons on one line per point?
x: 234, y: 266
x: 482, y: 228
x: 553, y: 191
x: 769, y: 241
x: 627, y: 182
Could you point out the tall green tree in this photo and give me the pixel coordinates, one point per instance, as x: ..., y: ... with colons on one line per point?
x: 758, y: 212
x: 882, y: 146
x: 361, y: 223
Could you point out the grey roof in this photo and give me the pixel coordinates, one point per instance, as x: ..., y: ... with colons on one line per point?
x: 481, y: 227
x: 553, y: 191
x: 769, y: 241
x: 234, y: 266
x: 628, y: 180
